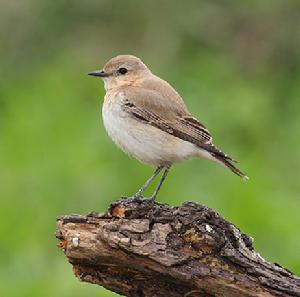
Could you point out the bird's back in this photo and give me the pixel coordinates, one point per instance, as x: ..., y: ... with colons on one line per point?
x: 161, y: 95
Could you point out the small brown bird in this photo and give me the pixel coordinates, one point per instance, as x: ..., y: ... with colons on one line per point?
x: 148, y: 119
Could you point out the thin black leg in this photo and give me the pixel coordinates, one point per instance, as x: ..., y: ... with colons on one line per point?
x: 147, y: 183
x: 166, y: 171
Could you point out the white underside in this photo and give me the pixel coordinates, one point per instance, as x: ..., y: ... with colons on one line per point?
x: 145, y: 142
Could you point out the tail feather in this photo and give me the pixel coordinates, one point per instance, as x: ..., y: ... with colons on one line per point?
x: 218, y: 154
x: 228, y: 163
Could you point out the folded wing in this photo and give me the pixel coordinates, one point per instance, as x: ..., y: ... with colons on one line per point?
x: 171, y: 118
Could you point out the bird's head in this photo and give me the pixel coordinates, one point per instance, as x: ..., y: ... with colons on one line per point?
x: 121, y: 70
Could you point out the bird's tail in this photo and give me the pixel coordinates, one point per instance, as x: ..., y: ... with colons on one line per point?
x: 222, y: 158
x: 233, y: 168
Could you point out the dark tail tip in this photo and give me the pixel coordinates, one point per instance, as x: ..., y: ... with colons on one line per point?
x: 233, y: 168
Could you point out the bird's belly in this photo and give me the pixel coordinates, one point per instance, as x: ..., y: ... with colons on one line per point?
x: 146, y: 143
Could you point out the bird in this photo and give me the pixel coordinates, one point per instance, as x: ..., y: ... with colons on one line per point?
x: 147, y: 118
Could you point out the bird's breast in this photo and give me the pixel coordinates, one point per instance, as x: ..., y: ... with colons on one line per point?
x: 118, y: 123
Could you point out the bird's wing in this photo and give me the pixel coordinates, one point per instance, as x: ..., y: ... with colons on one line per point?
x: 153, y: 109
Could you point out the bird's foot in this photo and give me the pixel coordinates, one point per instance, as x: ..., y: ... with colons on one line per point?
x: 152, y: 198
x: 138, y: 197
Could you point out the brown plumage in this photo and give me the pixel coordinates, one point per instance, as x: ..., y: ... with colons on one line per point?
x: 186, y: 128
x: 148, y: 119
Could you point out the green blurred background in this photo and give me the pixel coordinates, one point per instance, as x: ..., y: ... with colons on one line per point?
x: 236, y: 64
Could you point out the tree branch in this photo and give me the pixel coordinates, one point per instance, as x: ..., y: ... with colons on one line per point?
x: 141, y: 248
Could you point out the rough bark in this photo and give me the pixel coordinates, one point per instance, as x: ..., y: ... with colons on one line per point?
x: 141, y: 248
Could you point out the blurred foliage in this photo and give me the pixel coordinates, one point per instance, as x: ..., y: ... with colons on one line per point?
x: 236, y: 64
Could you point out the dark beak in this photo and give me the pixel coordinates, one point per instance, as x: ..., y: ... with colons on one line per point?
x: 99, y: 73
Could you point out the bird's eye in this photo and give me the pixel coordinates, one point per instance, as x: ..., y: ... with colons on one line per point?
x: 122, y: 71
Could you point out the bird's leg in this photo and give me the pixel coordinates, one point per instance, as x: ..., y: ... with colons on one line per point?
x: 167, y: 168
x: 147, y: 183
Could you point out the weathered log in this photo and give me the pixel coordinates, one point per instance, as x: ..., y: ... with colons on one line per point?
x: 140, y: 248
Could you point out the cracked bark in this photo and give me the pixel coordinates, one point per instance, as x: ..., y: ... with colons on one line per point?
x: 141, y: 248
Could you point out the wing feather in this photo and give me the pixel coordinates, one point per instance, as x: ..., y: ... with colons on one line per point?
x: 184, y: 127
